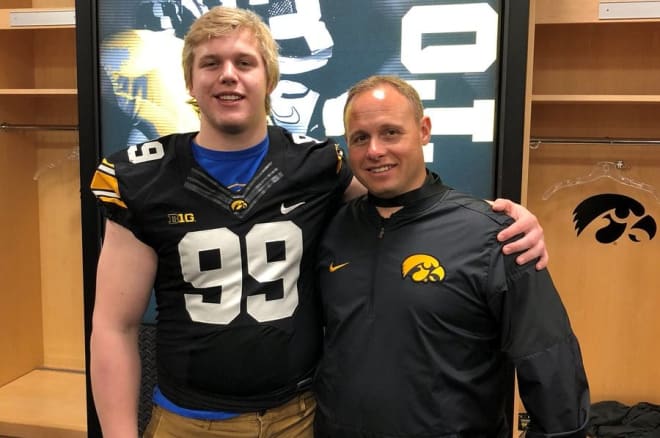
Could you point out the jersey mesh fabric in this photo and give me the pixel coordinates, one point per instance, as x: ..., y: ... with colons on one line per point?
x: 238, y: 323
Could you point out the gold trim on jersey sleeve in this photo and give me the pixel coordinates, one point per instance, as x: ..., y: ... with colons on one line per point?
x: 340, y: 157
x: 105, y: 186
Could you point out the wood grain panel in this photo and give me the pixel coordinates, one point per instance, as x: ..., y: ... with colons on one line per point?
x: 17, y: 55
x: 610, y: 290
x: 44, y: 404
x: 20, y: 297
x: 620, y: 120
x: 61, y: 259
x: 604, y: 58
x: 53, y: 3
x: 41, y: 310
x: 566, y: 11
x: 17, y: 3
x: 55, y: 62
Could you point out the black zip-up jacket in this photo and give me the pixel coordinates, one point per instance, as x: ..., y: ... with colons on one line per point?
x: 424, y: 316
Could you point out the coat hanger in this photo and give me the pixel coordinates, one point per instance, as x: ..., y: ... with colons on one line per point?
x: 72, y: 155
x: 602, y: 169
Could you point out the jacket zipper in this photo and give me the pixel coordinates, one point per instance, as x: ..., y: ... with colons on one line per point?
x: 372, y: 298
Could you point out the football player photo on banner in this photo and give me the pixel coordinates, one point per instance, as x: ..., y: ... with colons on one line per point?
x: 448, y: 50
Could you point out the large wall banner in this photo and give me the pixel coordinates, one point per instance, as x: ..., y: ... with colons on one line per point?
x: 448, y: 49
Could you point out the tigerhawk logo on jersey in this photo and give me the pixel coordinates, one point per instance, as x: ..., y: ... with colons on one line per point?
x: 238, y: 205
x: 616, y: 211
x: 422, y: 268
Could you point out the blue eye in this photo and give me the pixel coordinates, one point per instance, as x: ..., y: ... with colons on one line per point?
x: 358, y: 140
x: 208, y: 63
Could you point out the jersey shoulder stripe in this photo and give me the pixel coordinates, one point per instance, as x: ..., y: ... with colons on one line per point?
x: 105, y: 186
x: 124, y: 178
x: 308, y: 159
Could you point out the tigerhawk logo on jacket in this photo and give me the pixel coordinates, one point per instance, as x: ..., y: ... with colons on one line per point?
x: 422, y: 268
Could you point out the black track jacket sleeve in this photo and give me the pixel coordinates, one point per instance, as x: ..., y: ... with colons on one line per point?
x: 537, y: 337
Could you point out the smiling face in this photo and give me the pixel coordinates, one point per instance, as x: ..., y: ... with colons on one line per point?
x: 228, y: 81
x: 385, y: 140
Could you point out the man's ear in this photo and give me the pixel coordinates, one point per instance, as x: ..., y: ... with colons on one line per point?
x: 425, y: 128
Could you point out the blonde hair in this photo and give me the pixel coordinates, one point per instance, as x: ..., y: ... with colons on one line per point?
x: 399, y: 84
x: 220, y: 21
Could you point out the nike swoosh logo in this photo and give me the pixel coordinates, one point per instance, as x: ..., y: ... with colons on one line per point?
x: 286, y: 210
x: 334, y: 268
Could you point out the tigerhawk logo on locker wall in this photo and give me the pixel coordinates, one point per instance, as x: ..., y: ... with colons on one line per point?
x: 422, y: 268
x: 620, y: 214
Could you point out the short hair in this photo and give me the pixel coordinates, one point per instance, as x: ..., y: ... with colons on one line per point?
x: 220, y: 21
x: 396, y: 82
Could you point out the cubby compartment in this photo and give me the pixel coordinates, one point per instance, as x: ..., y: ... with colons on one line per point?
x: 42, y: 373
x: 593, y: 106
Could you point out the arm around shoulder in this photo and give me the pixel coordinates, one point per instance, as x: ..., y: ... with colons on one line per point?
x: 125, y: 276
x: 531, y: 245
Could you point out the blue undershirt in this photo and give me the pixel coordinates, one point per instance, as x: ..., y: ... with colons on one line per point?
x: 165, y: 403
x: 233, y: 169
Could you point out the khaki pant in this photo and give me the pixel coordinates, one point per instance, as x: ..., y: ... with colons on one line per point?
x: 293, y: 419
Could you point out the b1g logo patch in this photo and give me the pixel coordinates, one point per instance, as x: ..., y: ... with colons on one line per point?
x: 180, y: 218
x: 621, y: 215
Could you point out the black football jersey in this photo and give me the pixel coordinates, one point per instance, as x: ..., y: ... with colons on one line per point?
x: 238, y: 322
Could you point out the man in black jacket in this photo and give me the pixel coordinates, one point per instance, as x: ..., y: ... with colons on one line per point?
x: 424, y: 313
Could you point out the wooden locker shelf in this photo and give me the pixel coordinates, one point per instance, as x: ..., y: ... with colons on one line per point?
x: 595, y: 98
x: 572, y: 12
x: 44, y: 403
x: 39, y: 91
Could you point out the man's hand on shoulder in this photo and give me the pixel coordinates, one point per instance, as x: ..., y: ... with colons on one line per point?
x: 526, y: 223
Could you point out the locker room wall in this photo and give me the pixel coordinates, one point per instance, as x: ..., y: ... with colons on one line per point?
x: 598, y: 80
x: 611, y: 290
x: 42, y: 376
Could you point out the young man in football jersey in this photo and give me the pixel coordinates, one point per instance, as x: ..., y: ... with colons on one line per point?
x: 224, y: 224
x: 424, y: 313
